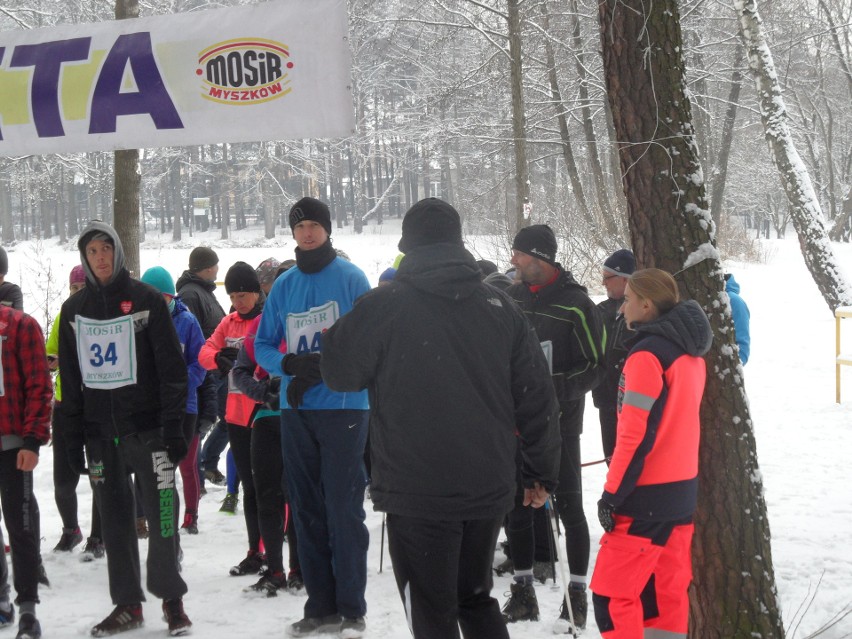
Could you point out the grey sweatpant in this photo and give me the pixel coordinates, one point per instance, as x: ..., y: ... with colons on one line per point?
x: 110, y: 466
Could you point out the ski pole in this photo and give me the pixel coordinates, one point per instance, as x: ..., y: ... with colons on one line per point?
x: 550, y: 513
x: 382, y: 546
x: 563, y: 572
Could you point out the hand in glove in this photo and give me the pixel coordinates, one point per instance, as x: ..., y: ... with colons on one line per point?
x: 273, y: 397
x: 75, y: 450
x: 225, y: 359
x: 306, y: 366
x: 176, y: 449
x: 606, y: 515
x: 296, y: 390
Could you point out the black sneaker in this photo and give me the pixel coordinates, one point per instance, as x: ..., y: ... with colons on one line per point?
x: 229, y: 504
x: 7, y: 617
x: 352, y: 628
x: 295, y: 583
x: 268, y: 585
x: 179, y: 623
x: 314, y: 626
x: 214, y: 477
x: 94, y: 549
x: 70, y: 538
x: 28, y: 627
x: 522, y: 604
x: 122, y: 619
x: 251, y: 565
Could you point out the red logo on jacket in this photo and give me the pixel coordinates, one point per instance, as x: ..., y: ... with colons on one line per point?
x: 126, y: 307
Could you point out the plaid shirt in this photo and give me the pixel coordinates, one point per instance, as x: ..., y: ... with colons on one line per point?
x: 25, y: 388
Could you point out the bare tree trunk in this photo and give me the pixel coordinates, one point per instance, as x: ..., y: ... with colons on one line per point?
x: 806, y: 211
x: 719, y: 173
x: 733, y: 594
x: 127, y: 177
x: 516, y: 78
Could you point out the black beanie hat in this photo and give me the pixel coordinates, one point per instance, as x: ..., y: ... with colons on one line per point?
x: 202, y: 257
x: 622, y: 262
x: 4, y: 262
x: 537, y: 240
x: 430, y: 221
x: 309, y: 208
x: 241, y: 278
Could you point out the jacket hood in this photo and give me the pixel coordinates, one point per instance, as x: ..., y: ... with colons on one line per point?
x: 686, y: 325
x: 444, y: 269
x: 118, y: 264
x: 188, y: 277
x: 731, y: 284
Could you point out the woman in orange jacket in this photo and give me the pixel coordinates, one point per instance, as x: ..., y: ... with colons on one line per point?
x: 643, y: 568
x: 220, y: 352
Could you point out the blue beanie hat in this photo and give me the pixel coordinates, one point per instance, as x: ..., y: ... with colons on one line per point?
x: 159, y: 278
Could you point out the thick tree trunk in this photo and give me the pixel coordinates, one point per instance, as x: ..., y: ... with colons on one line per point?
x: 733, y: 594
x: 806, y: 211
x: 516, y: 79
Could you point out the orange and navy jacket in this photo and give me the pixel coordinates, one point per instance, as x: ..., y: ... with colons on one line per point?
x: 231, y: 331
x: 653, y: 475
x: 25, y: 389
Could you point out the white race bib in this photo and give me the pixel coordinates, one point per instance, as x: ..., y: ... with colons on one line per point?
x: 304, y: 330
x: 106, y: 350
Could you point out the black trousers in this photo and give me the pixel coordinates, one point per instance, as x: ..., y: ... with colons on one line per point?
x: 569, y: 493
x: 22, y: 518
x: 110, y: 466
x: 271, y: 493
x: 443, y: 573
x: 65, y: 479
x: 240, y: 439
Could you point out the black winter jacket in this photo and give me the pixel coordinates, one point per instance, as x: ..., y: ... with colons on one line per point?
x: 158, y: 398
x: 563, y: 314
x: 453, y: 370
x: 198, y: 296
x: 605, y: 394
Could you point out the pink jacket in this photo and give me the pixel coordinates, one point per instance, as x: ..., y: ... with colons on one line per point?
x: 231, y: 331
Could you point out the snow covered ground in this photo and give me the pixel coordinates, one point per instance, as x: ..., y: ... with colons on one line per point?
x: 802, y: 437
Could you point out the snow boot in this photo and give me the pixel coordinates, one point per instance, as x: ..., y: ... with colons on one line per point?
x: 268, y: 585
x: 504, y: 567
x: 7, y: 615
x: 229, y: 504
x: 94, y: 549
x: 579, y: 606
x: 28, y: 627
x: 190, y: 523
x: 314, y: 626
x: 522, y: 604
x: 352, y: 628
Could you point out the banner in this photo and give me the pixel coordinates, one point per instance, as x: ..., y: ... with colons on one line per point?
x: 272, y: 71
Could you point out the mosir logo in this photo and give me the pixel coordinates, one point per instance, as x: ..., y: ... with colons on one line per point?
x: 245, y: 71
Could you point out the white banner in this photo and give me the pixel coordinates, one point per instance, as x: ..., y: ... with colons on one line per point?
x: 272, y: 71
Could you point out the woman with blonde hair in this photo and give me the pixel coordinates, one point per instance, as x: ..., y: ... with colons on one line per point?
x: 643, y: 568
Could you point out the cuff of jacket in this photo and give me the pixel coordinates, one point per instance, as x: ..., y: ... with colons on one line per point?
x: 31, y: 444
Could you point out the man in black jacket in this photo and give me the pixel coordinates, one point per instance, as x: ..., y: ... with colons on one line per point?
x: 453, y: 370
x: 124, y: 385
x: 616, y: 270
x: 195, y: 287
x: 569, y: 327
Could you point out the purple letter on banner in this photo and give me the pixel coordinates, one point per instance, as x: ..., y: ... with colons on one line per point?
x: 47, y: 59
x: 108, y: 102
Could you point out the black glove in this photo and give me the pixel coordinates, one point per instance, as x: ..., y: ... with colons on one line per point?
x: 606, y: 515
x: 296, y: 390
x: 273, y: 385
x: 306, y: 366
x: 75, y: 450
x: 176, y: 449
x: 204, y: 425
x: 225, y: 359
x: 273, y: 397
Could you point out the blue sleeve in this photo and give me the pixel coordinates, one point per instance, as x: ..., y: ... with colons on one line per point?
x: 741, y: 317
x: 194, y: 342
